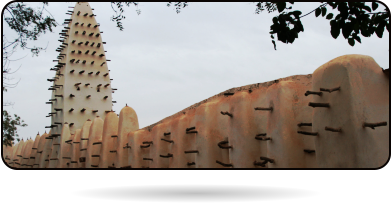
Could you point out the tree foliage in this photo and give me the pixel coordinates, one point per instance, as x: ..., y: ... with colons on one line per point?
x: 118, y: 8
x: 354, y: 19
x: 118, y: 17
x: 10, y: 127
x: 28, y: 24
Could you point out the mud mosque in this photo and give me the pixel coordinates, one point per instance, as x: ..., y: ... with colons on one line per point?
x: 336, y: 117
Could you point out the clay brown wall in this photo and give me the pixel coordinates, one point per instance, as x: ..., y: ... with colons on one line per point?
x: 254, y: 126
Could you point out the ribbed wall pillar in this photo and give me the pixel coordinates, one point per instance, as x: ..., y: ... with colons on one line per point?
x: 13, y: 155
x: 67, y: 156
x: 84, y: 137
x: 75, y: 150
x: 110, y: 134
x: 7, y: 154
x: 94, y: 143
x: 128, y: 122
x: 34, y: 150
x: 26, y: 153
x: 242, y: 130
x: 287, y: 146
x: 18, y: 156
x: 40, y: 148
x: 46, y: 151
x: 63, y: 156
x: 362, y: 97
x: 142, y: 143
x: 208, y: 137
x: 170, y: 140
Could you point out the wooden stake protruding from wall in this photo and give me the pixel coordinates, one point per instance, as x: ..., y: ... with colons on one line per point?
x: 220, y: 144
x: 309, y: 151
x: 331, y: 90
x: 333, y: 129
x: 304, y: 124
x: 145, y: 146
x: 223, y: 164
x: 190, y: 128
x: 170, y: 141
x: 226, y: 113
x: 313, y: 92
x: 191, y: 151
x: 315, y: 105
x: 373, y: 125
x: 167, y: 156
x: 266, y: 109
x: 308, y: 133
x: 262, y: 137
x: 267, y: 159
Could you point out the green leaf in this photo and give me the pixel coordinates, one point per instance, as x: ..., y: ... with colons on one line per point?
x: 274, y: 43
x: 346, y: 30
x: 329, y: 16
x: 275, y: 20
x: 376, y: 19
x: 317, y: 12
x: 356, y: 26
x: 324, y: 11
x: 364, y: 31
x: 357, y: 38
x: 296, y: 13
x: 374, y: 6
x: 335, y: 32
x: 333, y: 5
x: 380, y: 29
x: 332, y: 23
x: 281, y: 6
x: 367, y: 8
x: 351, y: 41
x: 299, y: 27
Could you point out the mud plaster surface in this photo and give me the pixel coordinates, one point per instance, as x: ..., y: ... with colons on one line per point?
x: 295, y: 78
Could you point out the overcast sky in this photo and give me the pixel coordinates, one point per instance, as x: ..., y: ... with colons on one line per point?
x: 164, y: 62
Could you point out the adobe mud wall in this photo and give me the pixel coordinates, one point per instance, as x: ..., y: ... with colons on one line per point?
x: 335, y: 118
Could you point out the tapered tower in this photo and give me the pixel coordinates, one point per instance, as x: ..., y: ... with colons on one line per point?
x: 82, y: 86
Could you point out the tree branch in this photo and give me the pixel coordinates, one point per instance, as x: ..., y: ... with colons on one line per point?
x: 313, y: 10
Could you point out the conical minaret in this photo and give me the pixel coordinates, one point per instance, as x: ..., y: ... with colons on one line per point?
x: 82, y: 86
